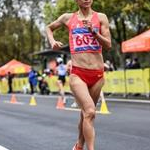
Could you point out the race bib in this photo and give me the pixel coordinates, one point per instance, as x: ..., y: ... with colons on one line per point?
x: 83, y: 40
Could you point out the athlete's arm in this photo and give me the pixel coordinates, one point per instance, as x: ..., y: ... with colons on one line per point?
x: 53, y: 26
x: 104, y: 38
x: 69, y: 66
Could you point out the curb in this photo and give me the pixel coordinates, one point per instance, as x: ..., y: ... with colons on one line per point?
x: 71, y: 97
x: 127, y: 100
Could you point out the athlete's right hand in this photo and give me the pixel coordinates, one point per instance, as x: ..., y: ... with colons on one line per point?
x: 56, y: 45
x: 88, y: 25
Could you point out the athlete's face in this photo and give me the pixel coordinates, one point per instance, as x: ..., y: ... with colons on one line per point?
x: 84, y: 3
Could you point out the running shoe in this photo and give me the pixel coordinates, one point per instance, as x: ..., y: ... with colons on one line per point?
x: 76, y: 147
x: 74, y: 105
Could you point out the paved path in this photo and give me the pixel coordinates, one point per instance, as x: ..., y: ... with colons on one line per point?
x: 43, y: 127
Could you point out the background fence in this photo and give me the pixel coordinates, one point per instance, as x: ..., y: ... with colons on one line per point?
x: 116, y: 82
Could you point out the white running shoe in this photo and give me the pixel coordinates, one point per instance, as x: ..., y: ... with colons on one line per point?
x: 74, y: 105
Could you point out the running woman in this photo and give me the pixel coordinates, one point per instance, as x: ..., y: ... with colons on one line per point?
x: 88, y: 33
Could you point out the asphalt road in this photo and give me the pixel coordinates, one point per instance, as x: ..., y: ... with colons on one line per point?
x: 43, y: 127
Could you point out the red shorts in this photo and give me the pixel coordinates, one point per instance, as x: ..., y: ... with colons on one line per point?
x: 89, y: 76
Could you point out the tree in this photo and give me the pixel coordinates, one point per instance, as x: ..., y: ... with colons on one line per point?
x: 51, y: 13
x: 15, y: 40
x: 20, y: 35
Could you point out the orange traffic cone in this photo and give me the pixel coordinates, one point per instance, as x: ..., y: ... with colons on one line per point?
x: 13, y: 99
x: 60, y: 103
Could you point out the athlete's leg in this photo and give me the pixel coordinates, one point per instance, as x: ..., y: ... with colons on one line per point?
x: 61, y: 89
x: 60, y: 86
x: 95, y: 93
x: 81, y: 139
x: 95, y: 90
x: 85, y: 101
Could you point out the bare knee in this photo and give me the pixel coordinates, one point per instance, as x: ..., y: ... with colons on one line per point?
x: 89, y: 114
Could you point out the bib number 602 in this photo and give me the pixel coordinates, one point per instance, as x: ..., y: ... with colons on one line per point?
x: 85, y: 40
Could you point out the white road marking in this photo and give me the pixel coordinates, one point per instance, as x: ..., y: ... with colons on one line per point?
x: 3, y: 148
x: 18, y: 103
x: 77, y: 109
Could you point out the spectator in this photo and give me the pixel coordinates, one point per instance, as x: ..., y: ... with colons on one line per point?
x: 128, y: 63
x: 32, y: 80
x: 44, y: 87
x: 135, y: 64
x: 42, y: 84
x: 10, y: 79
x: 108, y: 66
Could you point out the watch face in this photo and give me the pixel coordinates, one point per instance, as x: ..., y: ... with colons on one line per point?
x: 93, y: 31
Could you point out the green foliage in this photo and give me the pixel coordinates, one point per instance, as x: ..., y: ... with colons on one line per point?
x: 49, y: 12
x: 65, y: 6
x: 15, y: 39
x: 19, y: 38
x: 52, y: 13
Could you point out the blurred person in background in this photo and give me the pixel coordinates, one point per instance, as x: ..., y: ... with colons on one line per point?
x: 135, y: 64
x: 61, y: 72
x: 10, y: 80
x: 108, y: 66
x: 128, y: 63
x: 42, y: 82
x: 32, y: 76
